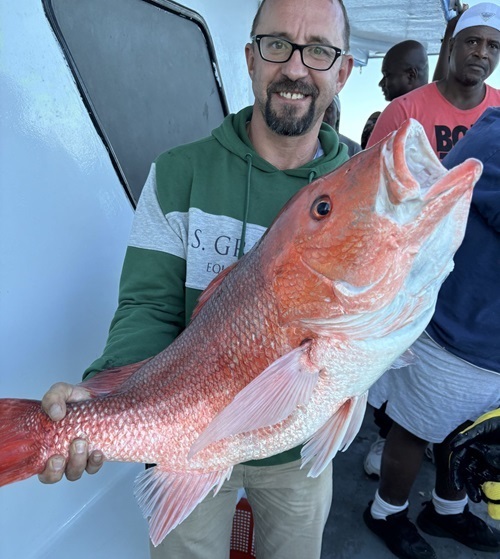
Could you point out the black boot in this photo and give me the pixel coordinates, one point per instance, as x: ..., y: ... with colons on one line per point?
x: 465, y: 528
x: 400, y: 535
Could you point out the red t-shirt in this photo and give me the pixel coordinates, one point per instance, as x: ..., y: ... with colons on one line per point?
x: 443, y: 123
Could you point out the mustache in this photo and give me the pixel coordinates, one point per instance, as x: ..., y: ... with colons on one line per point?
x: 289, y: 86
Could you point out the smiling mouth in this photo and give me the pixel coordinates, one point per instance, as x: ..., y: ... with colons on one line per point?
x: 293, y: 96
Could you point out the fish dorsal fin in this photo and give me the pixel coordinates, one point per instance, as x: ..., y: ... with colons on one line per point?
x: 167, y: 498
x: 211, y: 287
x: 110, y: 380
x: 336, y: 434
x: 267, y: 400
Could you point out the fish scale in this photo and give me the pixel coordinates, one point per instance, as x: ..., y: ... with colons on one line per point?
x: 282, y: 347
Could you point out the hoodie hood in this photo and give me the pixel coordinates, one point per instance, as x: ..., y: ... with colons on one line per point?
x: 232, y: 134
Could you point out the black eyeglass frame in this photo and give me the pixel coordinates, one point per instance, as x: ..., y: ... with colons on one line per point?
x: 300, y: 48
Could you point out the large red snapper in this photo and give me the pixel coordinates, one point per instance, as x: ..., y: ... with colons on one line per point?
x: 284, y: 345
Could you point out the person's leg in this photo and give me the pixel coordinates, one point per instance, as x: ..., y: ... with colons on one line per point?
x: 206, y: 532
x: 442, y: 453
x: 290, y: 510
x: 387, y: 515
x: 401, y: 461
x: 373, y: 459
x: 382, y: 420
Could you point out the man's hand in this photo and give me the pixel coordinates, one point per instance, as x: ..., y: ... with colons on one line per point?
x: 79, y: 460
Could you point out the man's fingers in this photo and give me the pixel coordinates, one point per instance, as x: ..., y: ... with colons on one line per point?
x: 473, y: 490
x: 95, y: 462
x: 77, y: 462
x: 54, y: 401
x: 54, y: 470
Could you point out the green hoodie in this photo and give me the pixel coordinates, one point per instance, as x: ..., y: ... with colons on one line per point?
x: 202, y: 206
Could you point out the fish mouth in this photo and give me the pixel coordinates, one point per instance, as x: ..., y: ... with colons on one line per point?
x: 413, y: 174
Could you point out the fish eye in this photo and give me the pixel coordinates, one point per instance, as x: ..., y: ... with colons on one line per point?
x: 321, y: 207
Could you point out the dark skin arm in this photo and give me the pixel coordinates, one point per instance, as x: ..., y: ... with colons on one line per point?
x: 441, y: 70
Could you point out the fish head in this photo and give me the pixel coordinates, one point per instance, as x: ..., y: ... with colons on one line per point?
x: 389, y: 219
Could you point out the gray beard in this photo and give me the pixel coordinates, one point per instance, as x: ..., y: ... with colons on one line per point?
x: 288, y: 124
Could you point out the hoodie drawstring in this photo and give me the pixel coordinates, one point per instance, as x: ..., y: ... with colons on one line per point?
x: 248, y: 158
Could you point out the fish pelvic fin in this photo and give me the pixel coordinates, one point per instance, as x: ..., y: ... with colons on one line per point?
x: 336, y: 434
x: 21, y: 447
x: 267, y: 400
x: 167, y: 498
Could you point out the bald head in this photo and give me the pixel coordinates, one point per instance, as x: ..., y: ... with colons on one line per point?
x: 404, y: 68
x: 346, y: 31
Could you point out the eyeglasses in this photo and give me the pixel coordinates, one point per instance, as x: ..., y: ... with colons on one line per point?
x: 314, y: 56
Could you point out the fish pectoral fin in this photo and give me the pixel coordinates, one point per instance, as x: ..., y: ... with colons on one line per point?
x: 110, y: 380
x: 166, y: 498
x: 267, y: 400
x: 336, y: 434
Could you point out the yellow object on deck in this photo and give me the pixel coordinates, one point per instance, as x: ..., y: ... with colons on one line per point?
x: 492, y: 490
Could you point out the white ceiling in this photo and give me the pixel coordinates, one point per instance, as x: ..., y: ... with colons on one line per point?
x: 376, y: 25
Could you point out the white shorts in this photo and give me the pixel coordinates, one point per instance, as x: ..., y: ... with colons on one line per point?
x: 437, y: 393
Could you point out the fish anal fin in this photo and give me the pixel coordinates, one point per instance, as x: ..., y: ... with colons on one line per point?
x: 166, y: 498
x: 110, y: 380
x: 268, y: 399
x: 336, y: 434
x: 209, y: 290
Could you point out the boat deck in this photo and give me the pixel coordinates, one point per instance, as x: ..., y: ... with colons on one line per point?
x: 347, y: 537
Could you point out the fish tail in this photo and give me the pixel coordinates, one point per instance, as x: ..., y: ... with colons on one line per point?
x: 21, y: 443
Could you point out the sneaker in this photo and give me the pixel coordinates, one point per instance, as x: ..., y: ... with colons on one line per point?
x: 400, y: 535
x: 373, y: 459
x: 464, y: 528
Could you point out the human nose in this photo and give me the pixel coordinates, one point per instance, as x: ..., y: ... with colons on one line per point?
x: 294, y: 68
x: 482, y: 49
x: 381, y: 83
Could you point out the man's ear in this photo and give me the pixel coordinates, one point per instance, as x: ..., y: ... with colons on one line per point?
x: 412, y: 74
x: 346, y: 66
x: 250, y: 56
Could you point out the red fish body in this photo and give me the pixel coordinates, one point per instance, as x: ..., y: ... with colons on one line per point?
x: 283, y: 346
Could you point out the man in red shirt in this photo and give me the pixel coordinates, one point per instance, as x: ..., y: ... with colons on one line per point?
x: 449, y: 107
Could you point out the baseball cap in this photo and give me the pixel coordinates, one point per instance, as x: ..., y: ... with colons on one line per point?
x: 485, y: 13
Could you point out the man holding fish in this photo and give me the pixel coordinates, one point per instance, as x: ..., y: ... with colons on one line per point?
x: 297, y: 62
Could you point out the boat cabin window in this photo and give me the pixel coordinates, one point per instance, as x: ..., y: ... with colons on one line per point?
x: 146, y: 71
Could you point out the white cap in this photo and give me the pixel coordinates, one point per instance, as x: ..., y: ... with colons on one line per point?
x: 485, y: 13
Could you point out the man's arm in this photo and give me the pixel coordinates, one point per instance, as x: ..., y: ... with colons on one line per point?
x: 441, y: 70
x: 149, y: 317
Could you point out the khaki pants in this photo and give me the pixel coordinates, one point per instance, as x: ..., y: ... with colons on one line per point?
x: 290, y: 512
